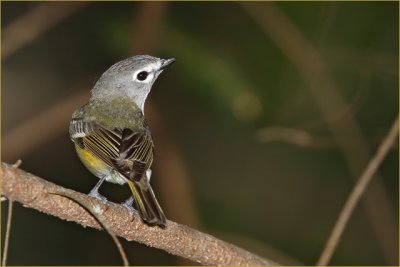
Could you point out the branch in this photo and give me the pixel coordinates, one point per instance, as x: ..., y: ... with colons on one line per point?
x: 357, y: 192
x: 180, y: 240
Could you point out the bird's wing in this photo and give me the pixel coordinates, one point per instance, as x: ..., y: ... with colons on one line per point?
x: 129, y: 152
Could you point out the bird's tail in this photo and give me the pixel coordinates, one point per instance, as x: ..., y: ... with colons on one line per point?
x: 147, y: 204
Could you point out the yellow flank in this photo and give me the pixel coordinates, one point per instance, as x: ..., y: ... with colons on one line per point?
x: 93, y: 163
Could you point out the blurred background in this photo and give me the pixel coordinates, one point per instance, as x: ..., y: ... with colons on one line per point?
x: 261, y: 127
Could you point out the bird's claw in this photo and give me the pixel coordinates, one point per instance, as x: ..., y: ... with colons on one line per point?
x: 97, y: 195
x: 128, y: 204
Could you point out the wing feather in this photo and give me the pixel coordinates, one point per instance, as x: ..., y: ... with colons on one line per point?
x: 129, y: 152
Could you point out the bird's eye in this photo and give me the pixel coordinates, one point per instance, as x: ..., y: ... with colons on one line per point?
x: 142, y: 75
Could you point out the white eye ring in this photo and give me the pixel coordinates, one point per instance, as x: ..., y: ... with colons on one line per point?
x: 143, y: 76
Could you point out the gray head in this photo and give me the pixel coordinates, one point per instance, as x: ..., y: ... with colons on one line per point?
x: 131, y: 78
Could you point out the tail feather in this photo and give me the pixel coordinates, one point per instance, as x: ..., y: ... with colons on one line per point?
x: 147, y: 204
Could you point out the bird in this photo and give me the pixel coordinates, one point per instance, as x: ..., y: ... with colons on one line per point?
x: 111, y: 135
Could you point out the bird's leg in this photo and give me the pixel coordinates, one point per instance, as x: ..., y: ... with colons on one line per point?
x: 128, y: 204
x: 95, y: 191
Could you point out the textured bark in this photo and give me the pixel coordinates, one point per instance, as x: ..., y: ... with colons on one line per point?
x: 177, y: 239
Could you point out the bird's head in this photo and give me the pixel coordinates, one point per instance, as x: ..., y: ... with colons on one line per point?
x: 131, y: 78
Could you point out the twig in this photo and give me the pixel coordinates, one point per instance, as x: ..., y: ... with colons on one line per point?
x: 356, y: 194
x: 290, y: 135
x: 34, y: 23
x: 9, y: 218
x: 17, y: 163
x: 96, y: 212
x: 8, y: 229
x: 302, y: 138
x: 311, y: 66
x: 180, y: 240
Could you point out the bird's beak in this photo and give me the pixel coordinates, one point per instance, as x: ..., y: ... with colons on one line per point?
x: 166, y: 62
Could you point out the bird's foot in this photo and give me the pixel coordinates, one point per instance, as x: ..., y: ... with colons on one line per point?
x: 96, y: 194
x: 128, y: 204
